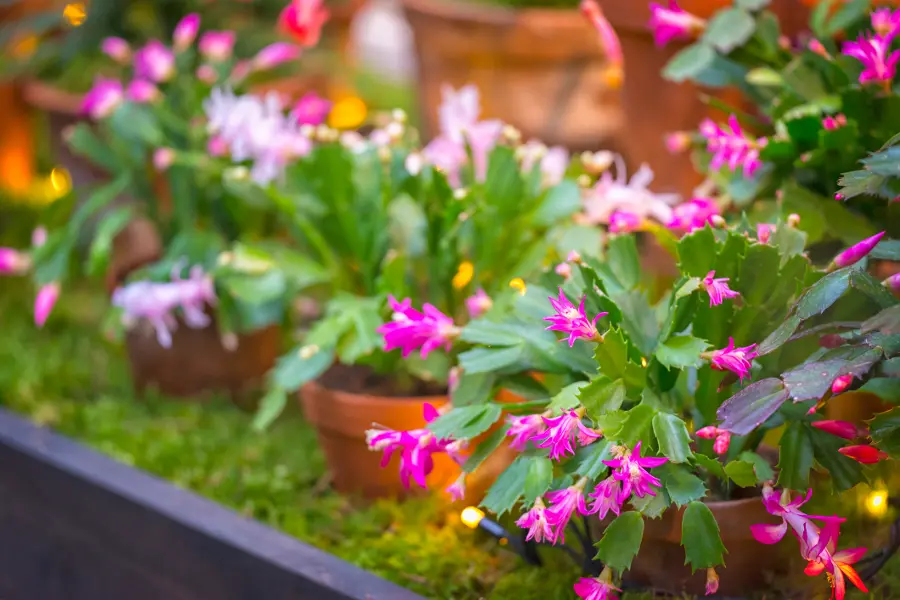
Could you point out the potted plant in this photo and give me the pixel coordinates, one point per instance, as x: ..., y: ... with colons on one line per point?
x: 657, y: 410
x: 538, y: 64
x: 180, y: 245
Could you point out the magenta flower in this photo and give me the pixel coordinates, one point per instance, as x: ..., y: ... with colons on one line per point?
x: 673, y: 23
x: 885, y: 22
x: 842, y: 429
x: 677, y: 142
x: 712, y: 582
x: 565, y: 503
x: 103, y: 98
x: 722, y: 437
x: 892, y: 282
x: 186, y: 32
x: 117, y: 49
x: 412, y: 330
x: 612, y: 48
x: 732, y: 147
x: 736, y: 360
x: 631, y: 470
x: 763, y: 232
x: 44, y: 302
x: 856, y: 252
x: 478, y: 304
x: 216, y: 146
x: 525, y: 428
x: 864, y: 454
x: 457, y: 489
x: 311, y: 109
x: 836, y: 122
x: 573, y: 321
x: 12, y: 262
x: 623, y: 221
x: 142, y: 91
x: 596, y: 588
x: 163, y: 159
x: 693, y: 214
x: 535, y: 520
x: 606, y: 497
x: 303, y: 21
x: 216, y: 46
x: 154, y: 62
x: 873, y: 51
x: 841, y: 383
x: 275, y: 54
x: 562, y: 433
x: 717, y: 288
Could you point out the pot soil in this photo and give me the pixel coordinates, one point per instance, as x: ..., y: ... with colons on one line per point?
x: 541, y: 70
x: 644, y: 87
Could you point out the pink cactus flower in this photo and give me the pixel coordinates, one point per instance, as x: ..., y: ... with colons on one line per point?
x: 606, y: 497
x: 841, y: 383
x: 842, y: 429
x: 631, y: 470
x: 103, y: 98
x: 712, y: 582
x: 677, y: 142
x: 731, y: 146
x: 311, y: 109
x: 885, y: 22
x: 142, y: 91
x: 216, y: 146
x: 216, y: 46
x: 717, y: 288
x: 562, y: 433
x: 117, y: 49
x: 873, y: 51
x: 275, y: 54
x: 722, y: 437
x: 154, y: 62
x: 837, y: 121
x: 457, y: 489
x: 448, y: 156
x: 673, y: 23
x: 736, y: 360
x: 696, y: 213
x: 596, y: 588
x: 12, y: 262
x: 624, y: 222
x: 186, y: 32
x: 565, y: 503
x: 478, y: 303
x: 163, y: 159
x: 482, y: 137
x: 764, y: 231
x: 39, y: 236
x: 817, y: 47
x: 864, y: 454
x: 535, y: 520
x: 573, y: 321
x: 412, y: 330
x: 207, y: 74
x: 856, y: 252
x: 564, y: 270
x: 523, y: 429
x: 612, y: 48
x: 303, y: 21
x: 44, y: 302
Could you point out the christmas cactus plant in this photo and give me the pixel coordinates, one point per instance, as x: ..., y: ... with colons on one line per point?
x: 649, y: 404
x: 813, y: 107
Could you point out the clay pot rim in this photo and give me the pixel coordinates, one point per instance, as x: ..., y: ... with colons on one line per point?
x: 487, y: 14
x: 51, y: 98
x: 368, y: 399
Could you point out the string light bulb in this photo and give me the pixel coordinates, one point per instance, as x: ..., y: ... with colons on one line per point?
x: 877, y: 503
x: 471, y: 516
x: 75, y: 13
x: 347, y: 113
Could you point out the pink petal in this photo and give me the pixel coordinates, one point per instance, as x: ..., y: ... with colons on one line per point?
x: 768, y: 534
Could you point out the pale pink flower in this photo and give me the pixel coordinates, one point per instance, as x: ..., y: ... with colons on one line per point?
x: 717, y: 288
x: 523, y: 429
x: 117, y: 49
x: 275, y: 54
x: 303, y: 21
x: 874, y: 52
x: 564, y: 270
x: 103, y: 98
x: 39, y: 236
x: 44, y: 302
x: 12, y: 262
x: 163, y: 159
x: 457, y: 489
x: 863, y: 453
x: 412, y: 330
x: 459, y: 110
x: 216, y: 146
x: 562, y: 433
x: 311, y: 109
x: 612, y: 48
x: 482, y: 138
x: 736, y: 360
x: 856, y: 252
x: 677, y: 142
x: 571, y: 320
x: 207, y: 74
x: 817, y: 47
x: 216, y: 45
x: 535, y: 520
x: 154, y: 62
x: 732, y: 147
x: 617, y: 193
x: 448, y: 156
x: 186, y: 32
x: 142, y: 91
x: 673, y: 23
x: 631, y: 470
x: 565, y: 503
x: 478, y: 303
x: 607, y: 497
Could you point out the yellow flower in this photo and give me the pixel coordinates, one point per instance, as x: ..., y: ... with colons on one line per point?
x: 463, y: 275
x: 347, y: 113
x: 518, y: 284
x: 75, y: 13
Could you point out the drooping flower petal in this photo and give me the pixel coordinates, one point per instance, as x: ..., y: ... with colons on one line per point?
x: 562, y: 433
x: 478, y: 304
x: 673, y: 23
x: 535, y: 520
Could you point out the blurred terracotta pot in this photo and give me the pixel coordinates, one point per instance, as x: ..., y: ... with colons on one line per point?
x: 750, y: 566
x: 654, y: 106
x: 541, y: 70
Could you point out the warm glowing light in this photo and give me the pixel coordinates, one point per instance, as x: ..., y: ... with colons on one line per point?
x: 60, y: 180
x: 471, y: 517
x: 347, y: 113
x: 877, y: 503
x: 518, y: 284
x: 75, y: 13
x: 24, y: 46
x: 644, y: 362
x: 463, y: 275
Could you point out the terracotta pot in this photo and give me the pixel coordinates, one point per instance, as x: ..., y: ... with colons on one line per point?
x: 750, y: 566
x: 541, y: 70
x: 341, y: 419
x: 137, y: 245
x: 644, y: 87
x: 16, y: 140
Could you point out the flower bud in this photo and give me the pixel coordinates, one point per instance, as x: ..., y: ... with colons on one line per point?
x: 712, y: 582
x: 842, y: 429
x: 186, y: 32
x: 841, y: 383
x: 856, y: 253
x: 863, y: 453
x: 793, y: 220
